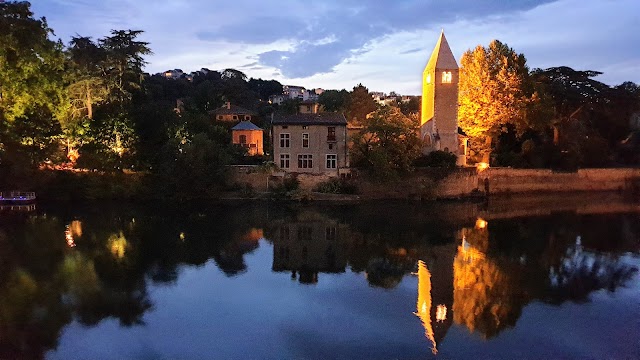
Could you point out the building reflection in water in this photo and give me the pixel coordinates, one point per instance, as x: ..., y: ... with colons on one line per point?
x: 310, y: 244
x: 435, y: 292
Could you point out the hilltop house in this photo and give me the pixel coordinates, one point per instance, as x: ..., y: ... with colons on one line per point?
x: 248, y: 135
x: 232, y: 113
x: 311, y: 142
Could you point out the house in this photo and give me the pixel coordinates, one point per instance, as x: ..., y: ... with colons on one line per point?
x: 293, y: 92
x: 250, y: 136
x: 313, y: 142
x: 439, y: 115
x: 232, y: 113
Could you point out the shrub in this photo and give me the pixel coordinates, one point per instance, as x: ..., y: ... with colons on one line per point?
x: 438, y: 158
x: 336, y: 186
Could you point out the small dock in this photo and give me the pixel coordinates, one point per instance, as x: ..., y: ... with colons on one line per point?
x: 17, y: 197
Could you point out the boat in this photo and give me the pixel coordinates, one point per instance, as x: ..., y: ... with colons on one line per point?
x: 17, y: 197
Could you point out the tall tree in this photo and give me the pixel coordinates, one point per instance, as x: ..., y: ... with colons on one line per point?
x: 124, y: 62
x: 388, y: 144
x: 491, y: 93
x: 571, y: 92
x: 31, y: 64
x: 360, y: 105
x: 334, y: 100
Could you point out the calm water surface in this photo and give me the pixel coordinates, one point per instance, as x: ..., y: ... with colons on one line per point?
x: 274, y: 281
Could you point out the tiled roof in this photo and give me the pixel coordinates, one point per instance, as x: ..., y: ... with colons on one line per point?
x: 246, y: 125
x: 325, y: 118
x: 234, y: 110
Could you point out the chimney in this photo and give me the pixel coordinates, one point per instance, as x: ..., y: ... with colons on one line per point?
x: 228, y: 105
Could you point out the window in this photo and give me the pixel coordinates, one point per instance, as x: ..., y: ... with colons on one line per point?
x: 331, y: 133
x: 284, y: 140
x: 446, y: 77
x: 308, y: 108
x: 305, y: 140
x: 220, y: 117
x: 247, y: 117
x: 284, y: 161
x: 332, y: 161
x: 330, y: 233
x: 330, y: 146
x: 304, y: 127
x: 428, y: 80
x: 305, y: 161
x: 234, y: 117
x: 243, y: 139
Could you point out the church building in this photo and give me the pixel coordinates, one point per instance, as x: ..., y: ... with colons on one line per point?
x: 439, y: 115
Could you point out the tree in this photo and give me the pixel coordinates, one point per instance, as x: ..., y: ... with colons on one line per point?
x: 360, y: 105
x: 265, y: 88
x: 124, y: 62
x: 334, y: 100
x: 491, y: 93
x: 570, y: 93
x: 31, y: 65
x: 388, y: 144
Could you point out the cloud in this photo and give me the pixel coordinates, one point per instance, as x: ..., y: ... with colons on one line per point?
x: 338, y: 43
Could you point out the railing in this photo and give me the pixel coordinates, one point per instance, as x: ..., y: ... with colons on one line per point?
x: 17, y: 195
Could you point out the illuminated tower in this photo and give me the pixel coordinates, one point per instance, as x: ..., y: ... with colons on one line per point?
x: 439, y: 119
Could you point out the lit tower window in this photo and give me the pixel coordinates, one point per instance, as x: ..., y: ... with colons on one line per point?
x: 428, y: 78
x: 446, y: 77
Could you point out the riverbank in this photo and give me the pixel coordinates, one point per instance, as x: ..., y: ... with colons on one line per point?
x: 423, y: 184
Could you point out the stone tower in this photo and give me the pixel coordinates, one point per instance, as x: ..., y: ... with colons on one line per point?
x: 439, y: 119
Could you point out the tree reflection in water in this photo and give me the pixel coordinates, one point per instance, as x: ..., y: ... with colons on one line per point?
x: 96, y: 263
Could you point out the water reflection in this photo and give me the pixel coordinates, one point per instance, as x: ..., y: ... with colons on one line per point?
x: 478, y: 272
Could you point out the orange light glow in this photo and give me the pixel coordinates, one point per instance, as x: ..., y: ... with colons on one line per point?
x: 423, y: 306
x: 481, y: 223
x: 441, y: 313
x: 482, y: 166
x: 68, y: 235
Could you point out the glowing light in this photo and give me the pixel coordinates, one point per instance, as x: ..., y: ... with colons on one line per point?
x: 118, y: 245
x: 69, y: 237
x: 182, y: 237
x: 428, y: 79
x: 481, y: 223
x: 482, y: 166
x: 446, y: 77
x: 441, y: 313
x: 423, y: 306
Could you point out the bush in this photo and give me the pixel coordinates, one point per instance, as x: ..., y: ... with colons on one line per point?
x: 336, y: 186
x: 438, y: 158
x: 284, y: 189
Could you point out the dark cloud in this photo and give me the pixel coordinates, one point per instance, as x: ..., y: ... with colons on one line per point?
x: 353, y: 24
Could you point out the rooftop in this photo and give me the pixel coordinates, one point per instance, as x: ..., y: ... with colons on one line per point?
x: 325, y: 118
x: 246, y: 125
x: 232, y: 110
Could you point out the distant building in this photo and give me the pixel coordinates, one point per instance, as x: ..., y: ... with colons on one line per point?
x: 277, y: 99
x: 311, y: 142
x: 230, y: 112
x: 173, y: 74
x: 250, y: 136
x: 439, y: 119
x: 293, y: 92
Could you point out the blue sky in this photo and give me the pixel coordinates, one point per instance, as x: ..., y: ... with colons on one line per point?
x: 383, y: 44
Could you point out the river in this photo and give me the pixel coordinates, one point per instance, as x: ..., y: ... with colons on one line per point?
x: 380, y: 280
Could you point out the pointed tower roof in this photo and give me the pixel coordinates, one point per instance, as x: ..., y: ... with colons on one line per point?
x: 442, y: 57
